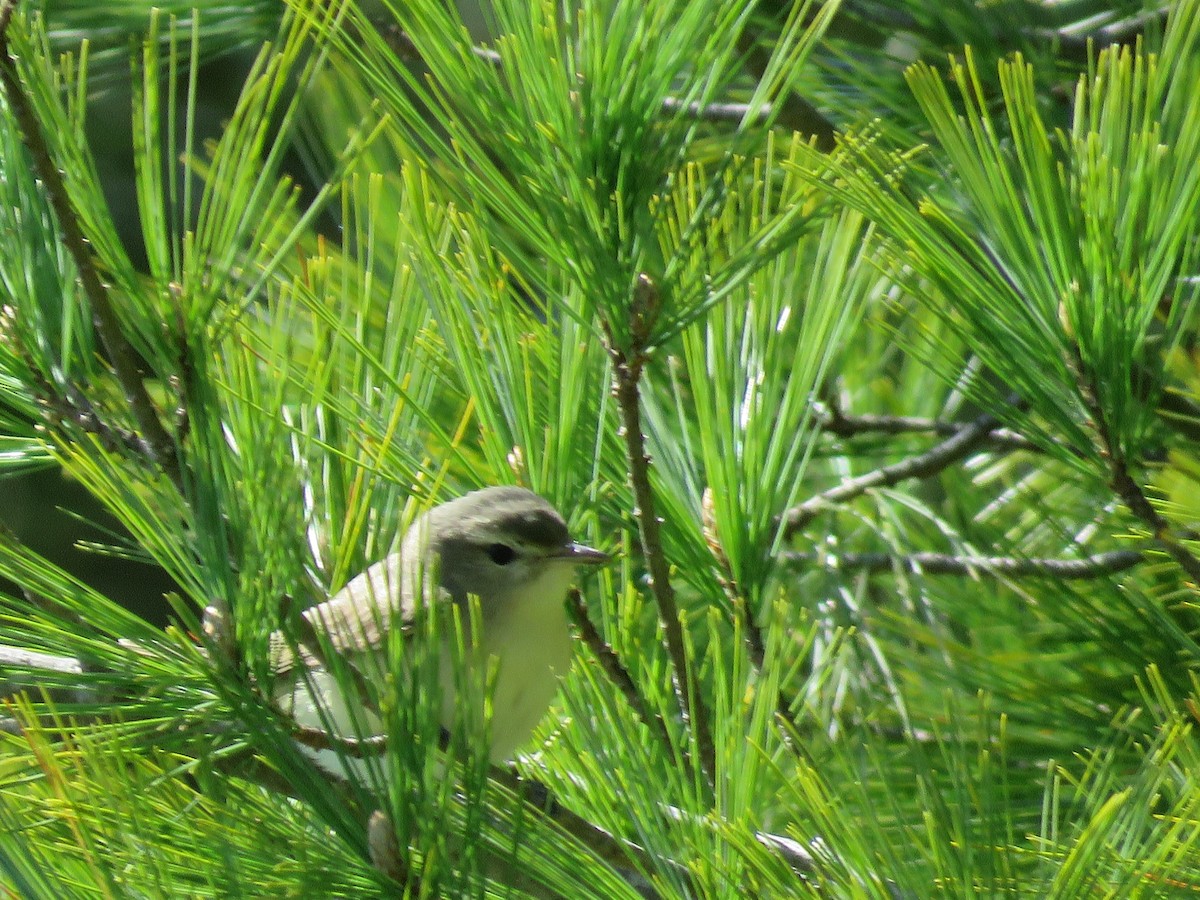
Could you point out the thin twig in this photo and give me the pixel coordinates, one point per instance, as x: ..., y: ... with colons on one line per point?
x: 29, y: 662
x: 964, y: 442
x: 628, y: 365
x: 156, y: 444
x: 1139, y: 504
x: 68, y: 404
x: 717, y: 112
x: 755, y: 641
x: 605, y: 846
x: 617, y: 852
x: 22, y: 658
x: 64, y: 402
x: 1087, y: 38
x: 613, y: 668
x: 1100, y: 565
x: 1120, y: 480
x: 838, y: 423
x: 320, y: 739
x: 798, y: 857
x: 74, y: 406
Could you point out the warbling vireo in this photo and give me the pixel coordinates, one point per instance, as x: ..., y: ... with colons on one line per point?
x: 505, y: 545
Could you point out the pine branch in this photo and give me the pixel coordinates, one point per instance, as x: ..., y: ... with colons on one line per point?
x: 1132, y: 495
x: 961, y: 444
x: 847, y: 426
x: 156, y: 443
x: 65, y: 402
x: 1100, y: 565
x: 1082, y: 40
x: 355, y: 748
x: 796, y: 112
x: 628, y: 365
x: 1121, y: 481
x: 612, y: 850
x: 613, y: 668
x: 619, y: 853
x: 716, y: 112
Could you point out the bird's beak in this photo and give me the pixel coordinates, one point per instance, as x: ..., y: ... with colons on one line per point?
x: 581, y: 555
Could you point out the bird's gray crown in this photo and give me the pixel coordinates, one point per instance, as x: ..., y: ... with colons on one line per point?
x: 499, y: 512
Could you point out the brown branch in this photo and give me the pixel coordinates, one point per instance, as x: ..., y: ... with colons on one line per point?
x: 1098, y: 566
x: 838, y: 423
x: 29, y: 662
x: 613, y: 668
x: 716, y: 112
x: 64, y: 402
x: 320, y: 739
x: 381, y: 837
x: 617, y: 852
x: 22, y: 658
x: 1121, y: 481
x: 74, y: 406
x: 628, y: 365
x: 156, y: 444
x: 1135, y: 499
x: 964, y: 442
x: 612, y: 850
x: 1081, y: 40
x: 609, y: 848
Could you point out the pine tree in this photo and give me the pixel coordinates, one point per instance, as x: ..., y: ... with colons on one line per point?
x: 864, y: 336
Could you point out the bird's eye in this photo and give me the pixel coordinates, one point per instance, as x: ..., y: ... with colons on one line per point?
x: 501, y: 554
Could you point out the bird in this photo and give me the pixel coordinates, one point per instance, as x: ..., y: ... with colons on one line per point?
x: 505, y: 545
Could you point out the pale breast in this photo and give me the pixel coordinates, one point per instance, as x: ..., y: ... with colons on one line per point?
x: 532, y: 643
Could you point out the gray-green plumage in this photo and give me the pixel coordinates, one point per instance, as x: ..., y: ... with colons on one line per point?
x: 505, y: 545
